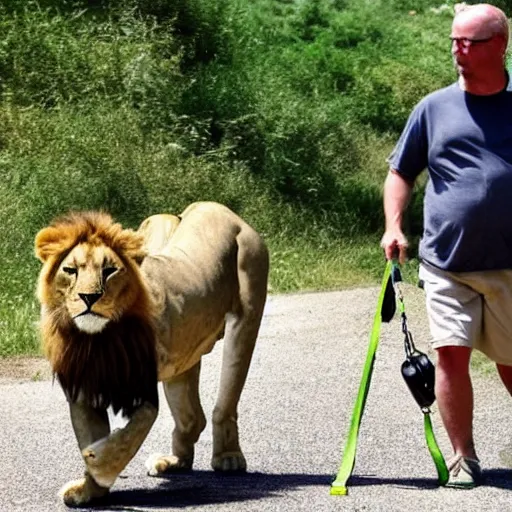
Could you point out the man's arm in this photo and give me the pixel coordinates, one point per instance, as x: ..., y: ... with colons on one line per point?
x: 397, y: 194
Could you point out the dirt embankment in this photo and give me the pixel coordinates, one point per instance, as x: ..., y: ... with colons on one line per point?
x: 24, y: 369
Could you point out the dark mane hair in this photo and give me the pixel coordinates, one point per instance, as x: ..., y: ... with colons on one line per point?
x: 116, y: 367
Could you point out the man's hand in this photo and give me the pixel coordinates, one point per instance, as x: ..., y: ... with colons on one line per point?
x: 395, y: 245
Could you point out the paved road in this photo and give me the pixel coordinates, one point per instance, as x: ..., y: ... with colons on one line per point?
x: 294, y: 418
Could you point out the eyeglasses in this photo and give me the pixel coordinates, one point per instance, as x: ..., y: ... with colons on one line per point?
x: 466, y: 42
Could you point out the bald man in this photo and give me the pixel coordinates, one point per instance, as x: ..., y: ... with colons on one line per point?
x: 462, y: 135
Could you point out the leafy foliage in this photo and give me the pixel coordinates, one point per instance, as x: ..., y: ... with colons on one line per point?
x: 284, y: 110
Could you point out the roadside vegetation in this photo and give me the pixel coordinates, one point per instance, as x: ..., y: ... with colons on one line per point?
x: 284, y: 110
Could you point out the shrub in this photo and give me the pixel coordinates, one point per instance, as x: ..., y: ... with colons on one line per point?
x: 283, y: 110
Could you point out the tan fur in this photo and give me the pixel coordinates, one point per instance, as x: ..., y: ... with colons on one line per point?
x: 122, y: 309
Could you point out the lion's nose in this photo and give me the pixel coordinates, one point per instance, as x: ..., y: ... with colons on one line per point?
x: 90, y: 298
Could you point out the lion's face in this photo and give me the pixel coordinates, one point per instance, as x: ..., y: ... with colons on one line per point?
x: 90, y: 276
x: 93, y: 282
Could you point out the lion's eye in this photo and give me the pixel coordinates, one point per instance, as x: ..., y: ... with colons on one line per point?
x: 107, y: 272
x: 72, y: 271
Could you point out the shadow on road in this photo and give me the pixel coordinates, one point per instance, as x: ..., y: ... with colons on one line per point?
x: 206, y: 488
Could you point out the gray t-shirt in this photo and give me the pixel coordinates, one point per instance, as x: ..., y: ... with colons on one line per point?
x: 465, y: 142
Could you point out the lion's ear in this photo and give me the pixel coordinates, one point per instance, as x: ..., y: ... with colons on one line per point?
x: 139, y: 256
x: 49, y: 242
x: 132, y: 245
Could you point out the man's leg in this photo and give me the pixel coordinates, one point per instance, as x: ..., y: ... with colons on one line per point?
x: 455, y: 315
x: 505, y: 373
x: 454, y: 393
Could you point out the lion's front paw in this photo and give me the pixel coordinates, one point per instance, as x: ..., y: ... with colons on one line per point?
x: 229, y: 462
x: 158, y: 464
x: 80, y: 492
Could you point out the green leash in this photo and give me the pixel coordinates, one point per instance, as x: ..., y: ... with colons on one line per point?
x: 339, y: 486
x: 419, y: 391
x: 386, y: 306
x: 435, y: 452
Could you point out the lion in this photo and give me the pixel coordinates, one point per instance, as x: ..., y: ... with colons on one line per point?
x: 123, y: 309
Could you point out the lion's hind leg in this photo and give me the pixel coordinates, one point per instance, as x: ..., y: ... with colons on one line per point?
x: 239, y: 340
x: 182, y: 395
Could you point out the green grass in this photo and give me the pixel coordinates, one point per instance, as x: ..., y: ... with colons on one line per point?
x: 284, y: 110
x: 482, y: 364
x: 18, y: 330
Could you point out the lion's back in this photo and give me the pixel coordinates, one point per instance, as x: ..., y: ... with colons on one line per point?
x: 195, y: 278
x: 205, y: 231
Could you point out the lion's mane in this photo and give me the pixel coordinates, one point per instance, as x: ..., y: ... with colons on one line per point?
x: 116, y: 367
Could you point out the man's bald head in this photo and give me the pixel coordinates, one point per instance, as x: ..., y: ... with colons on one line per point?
x: 492, y: 20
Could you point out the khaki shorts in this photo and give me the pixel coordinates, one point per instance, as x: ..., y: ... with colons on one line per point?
x: 470, y: 309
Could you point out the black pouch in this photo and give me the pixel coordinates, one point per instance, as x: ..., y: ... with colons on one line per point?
x: 388, y: 308
x: 419, y: 374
